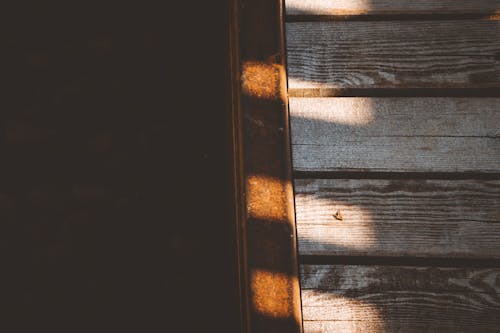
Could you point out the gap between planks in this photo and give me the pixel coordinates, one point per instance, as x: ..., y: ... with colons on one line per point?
x: 360, y: 16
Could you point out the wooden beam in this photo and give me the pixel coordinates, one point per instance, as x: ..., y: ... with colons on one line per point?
x: 270, y: 293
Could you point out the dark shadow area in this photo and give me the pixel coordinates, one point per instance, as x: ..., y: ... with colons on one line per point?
x: 115, y: 183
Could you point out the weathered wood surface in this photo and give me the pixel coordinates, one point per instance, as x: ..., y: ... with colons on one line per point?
x: 400, y: 299
x: 396, y: 54
x: 264, y: 219
x: 413, y: 154
x: 428, y: 48
x: 359, y: 278
x: 315, y: 120
x: 396, y: 134
x: 399, y: 218
x: 377, y: 7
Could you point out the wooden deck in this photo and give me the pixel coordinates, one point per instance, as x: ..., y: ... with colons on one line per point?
x: 395, y: 125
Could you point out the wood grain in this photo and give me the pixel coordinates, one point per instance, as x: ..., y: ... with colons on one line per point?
x: 396, y: 134
x: 264, y: 214
x: 359, y: 278
x: 397, y: 54
x: 400, y: 299
x: 383, y: 7
x: 399, y: 218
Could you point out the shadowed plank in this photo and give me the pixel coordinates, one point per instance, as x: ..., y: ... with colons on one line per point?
x: 359, y: 278
x: 378, y: 7
x: 269, y: 290
x: 396, y: 134
x: 397, y: 54
x: 400, y: 299
x: 398, y: 218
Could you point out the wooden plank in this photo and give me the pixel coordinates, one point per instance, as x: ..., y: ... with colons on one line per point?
x: 88, y: 241
x: 396, y: 134
x: 319, y: 118
x: 331, y: 56
x: 390, y: 7
x: 440, y: 154
x: 372, y: 279
x: 265, y: 217
x: 400, y: 299
x: 399, y: 218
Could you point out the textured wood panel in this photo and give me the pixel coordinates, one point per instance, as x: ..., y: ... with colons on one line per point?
x: 401, y: 218
x: 395, y: 54
x: 264, y: 220
x: 317, y: 118
x: 400, y: 299
x: 396, y: 134
x: 375, y: 7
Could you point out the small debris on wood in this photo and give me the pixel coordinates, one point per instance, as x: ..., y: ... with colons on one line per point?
x: 338, y: 215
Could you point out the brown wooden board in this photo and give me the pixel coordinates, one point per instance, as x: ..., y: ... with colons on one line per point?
x: 390, y: 7
x: 115, y: 182
x: 265, y: 218
x: 328, y: 57
x: 396, y: 134
x: 400, y: 299
x: 398, y: 218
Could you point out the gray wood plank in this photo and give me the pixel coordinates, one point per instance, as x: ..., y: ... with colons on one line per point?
x: 378, y: 7
x: 359, y: 278
x: 393, y: 54
x: 399, y: 218
x: 396, y: 134
x: 400, y: 299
